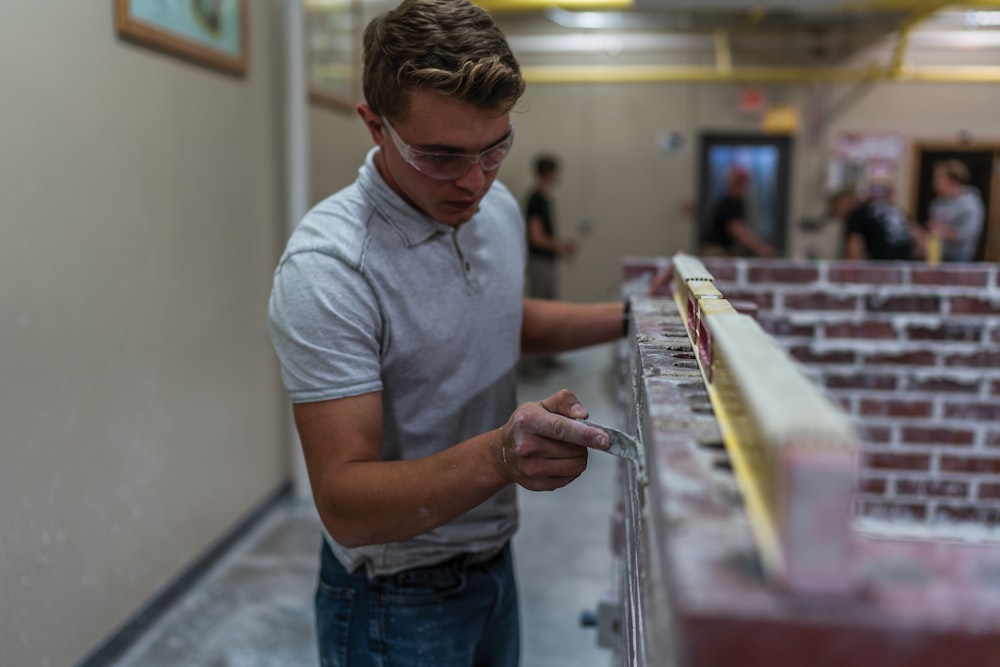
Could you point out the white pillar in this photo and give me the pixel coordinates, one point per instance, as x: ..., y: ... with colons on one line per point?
x: 296, y: 175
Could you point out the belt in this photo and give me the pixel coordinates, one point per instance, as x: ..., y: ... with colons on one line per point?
x: 480, y: 557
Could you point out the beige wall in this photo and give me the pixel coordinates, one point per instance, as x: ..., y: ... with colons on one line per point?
x: 140, y: 414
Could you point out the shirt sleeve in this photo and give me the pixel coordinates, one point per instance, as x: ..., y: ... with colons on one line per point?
x: 326, y: 328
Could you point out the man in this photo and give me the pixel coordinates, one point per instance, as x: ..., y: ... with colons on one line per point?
x: 398, y: 315
x: 956, y: 214
x: 873, y: 229
x: 730, y: 234
x: 544, y: 246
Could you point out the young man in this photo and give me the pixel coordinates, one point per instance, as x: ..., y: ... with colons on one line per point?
x: 544, y: 245
x: 398, y: 315
x: 730, y: 235
x: 873, y: 229
x: 956, y: 214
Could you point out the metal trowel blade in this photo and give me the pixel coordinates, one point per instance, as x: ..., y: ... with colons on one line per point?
x: 622, y: 444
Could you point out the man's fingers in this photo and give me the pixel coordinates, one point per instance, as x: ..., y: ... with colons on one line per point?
x: 565, y: 403
x: 563, y: 430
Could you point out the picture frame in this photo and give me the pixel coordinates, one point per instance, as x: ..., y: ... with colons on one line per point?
x: 333, y: 38
x: 208, y: 32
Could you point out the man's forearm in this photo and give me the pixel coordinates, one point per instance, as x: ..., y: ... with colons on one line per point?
x: 374, y: 502
x: 557, y: 326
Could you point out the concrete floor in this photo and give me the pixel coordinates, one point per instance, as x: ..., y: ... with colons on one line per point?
x: 254, y: 609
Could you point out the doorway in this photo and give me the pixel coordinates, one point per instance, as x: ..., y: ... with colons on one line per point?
x: 767, y: 160
x: 982, y: 161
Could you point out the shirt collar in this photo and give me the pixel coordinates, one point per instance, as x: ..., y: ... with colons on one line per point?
x: 414, y: 226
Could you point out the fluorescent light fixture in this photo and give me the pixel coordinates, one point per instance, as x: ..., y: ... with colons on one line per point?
x: 982, y: 19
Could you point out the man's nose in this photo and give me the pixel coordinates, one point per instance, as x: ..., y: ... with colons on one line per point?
x: 472, y: 179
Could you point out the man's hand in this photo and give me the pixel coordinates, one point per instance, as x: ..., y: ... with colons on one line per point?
x: 543, y: 447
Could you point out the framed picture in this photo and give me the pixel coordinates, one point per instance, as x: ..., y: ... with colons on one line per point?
x: 333, y: 38
x: 209, y: 32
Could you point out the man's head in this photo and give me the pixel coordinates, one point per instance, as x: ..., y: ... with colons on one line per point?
x: 950, y: 177
x: 546, y: 169
x: 447, y: 47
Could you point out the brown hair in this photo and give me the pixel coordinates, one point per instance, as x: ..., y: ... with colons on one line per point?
x: 449, y: 47
x: 953, y: 169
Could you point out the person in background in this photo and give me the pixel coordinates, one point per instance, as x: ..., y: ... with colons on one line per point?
x: 544, y: 246
x: 398, y: 315
x: 873, y: 228
x: 730, y: 234
x: 956, y: 214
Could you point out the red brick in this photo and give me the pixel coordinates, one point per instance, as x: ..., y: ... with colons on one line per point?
x: 974, y: 410
x: 972, y: 513
x: 904, y: 304
x: 865, y: 274
x: 872, y: 433
x: 819, y: 301
x: 889, y: 510
x: 920, y: 435
x: 981, y: 359
x: 946, y: 331
x: 947, y: 276
x: 937, y: 488
x: 870, y: 330
x: 970, y: 464
x: 763, y: 299
x: 995, y: 387
x: 781, y: 327
x: 895, y: 461
x: 723, y: 270
x: 873, y: 485
x: 871, y: 381
x: 895, y: 408
x: 989, y: 491
x: 964, y: 305
x: 918, y: 358
x: 781, y: 272
x: 941, y: 385
x: 807, y: 356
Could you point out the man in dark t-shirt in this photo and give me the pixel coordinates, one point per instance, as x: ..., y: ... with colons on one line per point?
x: 730, y: 234
x: 873, y: 228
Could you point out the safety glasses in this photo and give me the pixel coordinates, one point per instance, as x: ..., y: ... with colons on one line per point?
x: 450, y: 166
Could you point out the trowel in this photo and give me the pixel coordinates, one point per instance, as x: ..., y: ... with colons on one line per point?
x: 622, y: 444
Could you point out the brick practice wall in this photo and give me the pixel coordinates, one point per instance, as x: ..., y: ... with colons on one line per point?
x: 912, y: 352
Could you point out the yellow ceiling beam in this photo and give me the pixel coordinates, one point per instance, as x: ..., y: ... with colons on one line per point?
x: 775, y: 75
x: 502, y: 6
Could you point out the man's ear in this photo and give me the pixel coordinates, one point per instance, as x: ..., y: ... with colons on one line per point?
x: 373, y: 122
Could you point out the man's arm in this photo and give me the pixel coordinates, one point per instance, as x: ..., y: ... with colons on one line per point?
x: 557, y: 326
x: 538, y: 238
x: 365, y: 500
x: 742, y: 232
x: 855, y: 249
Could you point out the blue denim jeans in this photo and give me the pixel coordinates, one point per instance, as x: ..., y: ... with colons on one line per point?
x: 456, y: 614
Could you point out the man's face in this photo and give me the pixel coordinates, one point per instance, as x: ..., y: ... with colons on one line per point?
x: 942, y: 184
x: 438, y: 125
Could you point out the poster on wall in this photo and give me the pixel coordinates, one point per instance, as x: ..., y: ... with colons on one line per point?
x: 208, y: 32
x: 867, y: 162
x: 333, y: 32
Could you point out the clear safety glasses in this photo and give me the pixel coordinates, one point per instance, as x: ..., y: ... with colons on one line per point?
x: 450, y: 166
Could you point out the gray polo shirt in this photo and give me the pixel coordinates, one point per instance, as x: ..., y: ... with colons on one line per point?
x: 964, y: 213
x: 370, y: 295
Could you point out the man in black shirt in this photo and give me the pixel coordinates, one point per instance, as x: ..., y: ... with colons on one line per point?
x: 544, y: 246
x: 873, y: 228
x: 730, y: 233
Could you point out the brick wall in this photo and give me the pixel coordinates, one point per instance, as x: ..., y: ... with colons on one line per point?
x: 913, y: 353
